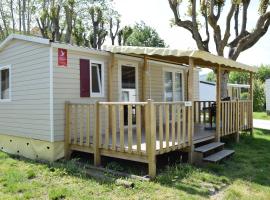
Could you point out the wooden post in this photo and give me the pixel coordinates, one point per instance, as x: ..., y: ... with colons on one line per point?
x: 218, y: 110
x: 191, y: 98
x: 110, y: 77
x: 251, y: 99
x: 144, y: 84
x: 97, y: 157
x: 151, y: 138
x: 67, y: 131
x: 144, y: 78
x: 110, y: 86
x: 237, y: 120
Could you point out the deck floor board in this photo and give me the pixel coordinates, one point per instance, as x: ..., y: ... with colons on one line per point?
x: 200, y: 134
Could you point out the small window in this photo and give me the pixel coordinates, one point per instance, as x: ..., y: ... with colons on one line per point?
x: 178, y: 87
x: 168, y: 86
x: 97, y: 82
x: 5, y: 83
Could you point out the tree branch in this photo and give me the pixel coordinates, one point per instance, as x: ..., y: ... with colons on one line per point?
x: 206, y: 41
x: 191, y: 26
x: 243, y: 32
x: 236, y: 15
x: 227, y: 33
x: 212, y: 19
x: 251, y: 39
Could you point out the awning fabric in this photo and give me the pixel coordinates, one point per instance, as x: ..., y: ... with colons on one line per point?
x: 201, y: 58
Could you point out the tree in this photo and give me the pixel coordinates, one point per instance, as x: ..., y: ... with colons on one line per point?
x: 260, y: 76
x: 143, y: 35
x: 70, y: 21
x: 99, y: 32
x: 211, y: 77
x: 259, y: 100
x: 239, y: 77
x: 209, y: 11
x: 70, y: 18
x: 113, y: 23
x: 124, y: 34
x: 263, y: 73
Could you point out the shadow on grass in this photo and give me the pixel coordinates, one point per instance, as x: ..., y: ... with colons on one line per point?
x: 250, y: 163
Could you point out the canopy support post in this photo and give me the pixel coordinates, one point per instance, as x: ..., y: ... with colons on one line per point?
x: 191, y: 98
x: 218, y: 103
x: 251, y: 99
x: 110, y: 85
x: 144, y: 78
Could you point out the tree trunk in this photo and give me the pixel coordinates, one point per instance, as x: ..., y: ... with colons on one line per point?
x: 224, y: 84
x: 20, y: 16
x: 29, y: 13
x: 12, y: 16
x: 4, y: 20
x: 69, y: 11
x: 23, y: 16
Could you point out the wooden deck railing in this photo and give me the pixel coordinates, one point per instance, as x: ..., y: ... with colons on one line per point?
x: 235, y: 116
x: 200, y: 111
x: 229, y: 117
x: 80, y: 126
x: 173, y: 125
x: 118, y: 131
x: 135, y: 131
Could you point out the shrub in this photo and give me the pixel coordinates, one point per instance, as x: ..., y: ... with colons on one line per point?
x: 244, y: 96
x: 259, y: 96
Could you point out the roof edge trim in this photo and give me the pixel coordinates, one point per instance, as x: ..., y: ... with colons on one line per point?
x: 24, y: 38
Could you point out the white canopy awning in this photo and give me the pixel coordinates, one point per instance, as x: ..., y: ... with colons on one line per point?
x: 201, y: 58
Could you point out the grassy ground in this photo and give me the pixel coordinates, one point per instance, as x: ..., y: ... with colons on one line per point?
x: 245, y: 176
x: 261, y: 115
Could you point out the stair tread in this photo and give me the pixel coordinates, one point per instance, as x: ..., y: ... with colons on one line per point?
x: 208, y: 147
x: 219, y: 155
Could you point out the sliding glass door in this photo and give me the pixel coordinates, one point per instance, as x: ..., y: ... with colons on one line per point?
x: 173, y: 86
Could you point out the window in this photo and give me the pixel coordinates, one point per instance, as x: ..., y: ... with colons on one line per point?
x: 178, y: 87
x: 168, y: 86
x: 128, y: 77
x: 97, y: 80
x: 91, y: 78
x: 97, y: 85
x: 173, y: 86
x: 4, y: 83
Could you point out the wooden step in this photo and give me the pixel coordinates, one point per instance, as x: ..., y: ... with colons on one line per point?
x: 209, y: 147
x: 216, y: 157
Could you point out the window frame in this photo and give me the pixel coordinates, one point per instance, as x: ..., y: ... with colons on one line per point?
x: 128, y: 64
x: 173, y: 71
x: 102, y: 82
x: 1, y: 69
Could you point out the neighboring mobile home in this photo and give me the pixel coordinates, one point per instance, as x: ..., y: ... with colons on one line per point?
x: 126, y: 102
x: 207, y: 91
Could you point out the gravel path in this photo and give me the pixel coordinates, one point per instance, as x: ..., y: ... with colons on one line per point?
x: 262, y: 124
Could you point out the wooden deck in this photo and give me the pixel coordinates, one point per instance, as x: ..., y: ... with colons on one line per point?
x: 200, y: 135
x: 153, y: 128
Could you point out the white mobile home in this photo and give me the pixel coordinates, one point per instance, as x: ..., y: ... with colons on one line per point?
x: 37, y: 81
x: 127, y: 102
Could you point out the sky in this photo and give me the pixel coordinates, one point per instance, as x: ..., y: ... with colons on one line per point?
x: 157, y: 14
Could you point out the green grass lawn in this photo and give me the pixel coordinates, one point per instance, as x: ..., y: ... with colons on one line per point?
x: 261, y: 115
x: 245, y: 176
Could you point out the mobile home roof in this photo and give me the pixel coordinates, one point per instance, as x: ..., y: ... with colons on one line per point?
x: 202, y: 58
